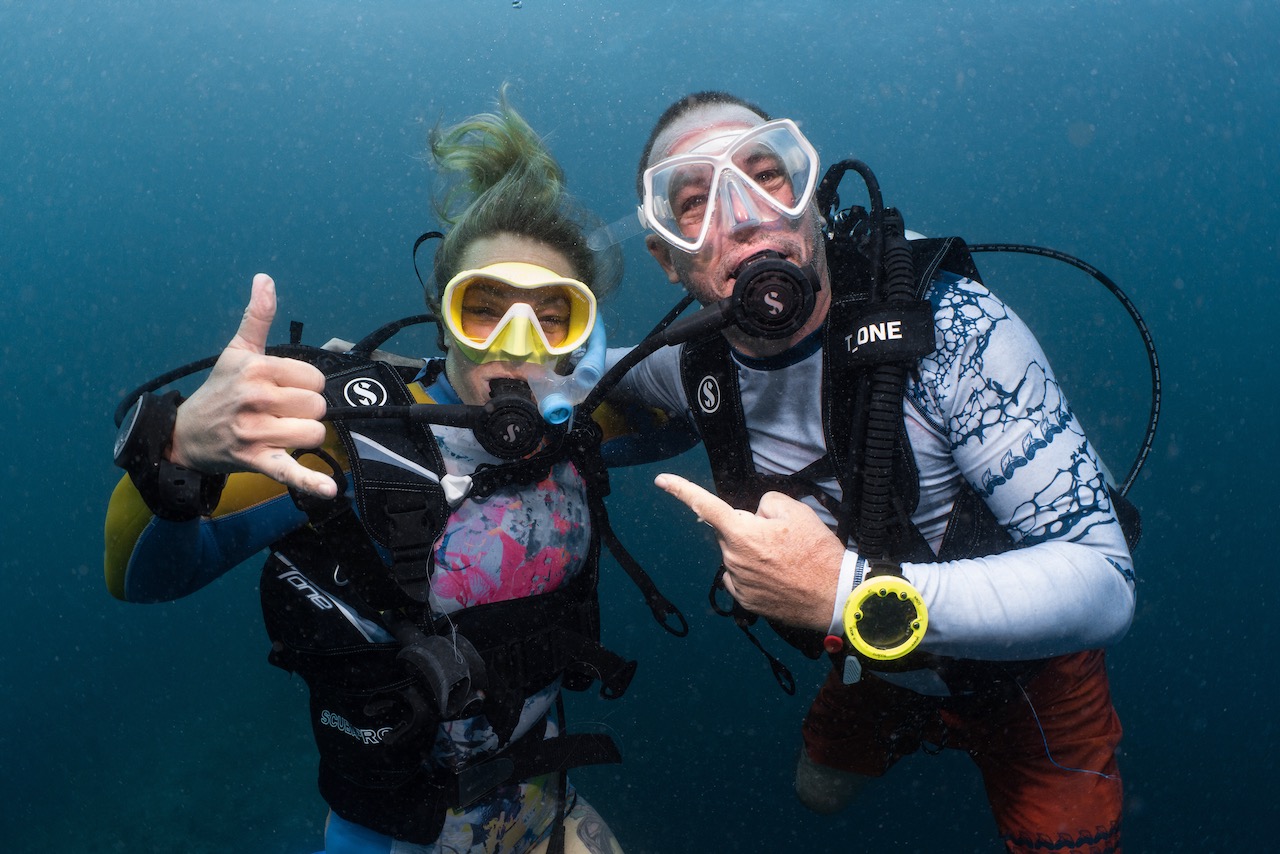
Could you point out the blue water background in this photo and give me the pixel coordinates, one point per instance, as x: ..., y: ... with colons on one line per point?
x: 153, y: 156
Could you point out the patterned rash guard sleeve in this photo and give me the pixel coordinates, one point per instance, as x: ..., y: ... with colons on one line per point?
x: 1068, y: 586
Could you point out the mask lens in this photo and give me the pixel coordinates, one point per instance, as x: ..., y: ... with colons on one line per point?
x: 776, y: 165
x: 681, y: 195
x: 485, y: 305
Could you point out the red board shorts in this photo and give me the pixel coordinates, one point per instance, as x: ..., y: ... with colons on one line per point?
x: 1070, y: 802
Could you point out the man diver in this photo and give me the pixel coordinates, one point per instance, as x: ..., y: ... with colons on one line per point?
x: 1010, y: 618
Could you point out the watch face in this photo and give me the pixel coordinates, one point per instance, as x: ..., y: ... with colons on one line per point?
x: 126, y: 430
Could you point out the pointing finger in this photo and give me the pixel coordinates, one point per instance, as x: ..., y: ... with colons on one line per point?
x: 708, y: 507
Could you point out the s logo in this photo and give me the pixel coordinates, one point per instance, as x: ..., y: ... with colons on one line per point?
x: 775, y: 304
x: 364, y: 391
x: 709, y: 394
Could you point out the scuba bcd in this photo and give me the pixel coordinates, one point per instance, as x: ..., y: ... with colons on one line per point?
x: 347, y: 598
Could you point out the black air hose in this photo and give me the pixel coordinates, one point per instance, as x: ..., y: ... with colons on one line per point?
x: 884, y: 415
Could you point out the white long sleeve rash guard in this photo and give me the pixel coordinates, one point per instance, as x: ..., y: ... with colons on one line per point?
x: 983, y: 407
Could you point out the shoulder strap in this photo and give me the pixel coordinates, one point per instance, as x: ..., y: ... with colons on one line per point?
x: 933, y: 254
x: 711, y: 386
x: 395, y: 468
x: 710, y: 381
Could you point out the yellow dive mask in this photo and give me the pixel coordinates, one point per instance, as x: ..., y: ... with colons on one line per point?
x: 513, y: 311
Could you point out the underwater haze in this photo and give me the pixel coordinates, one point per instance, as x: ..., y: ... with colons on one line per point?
x: 155, y: 155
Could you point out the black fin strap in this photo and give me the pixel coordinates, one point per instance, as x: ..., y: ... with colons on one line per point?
x: 532, y: 756
x: 660, y: 606
x: 744, y: 620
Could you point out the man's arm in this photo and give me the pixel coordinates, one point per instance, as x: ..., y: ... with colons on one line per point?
x: 1069, y: 584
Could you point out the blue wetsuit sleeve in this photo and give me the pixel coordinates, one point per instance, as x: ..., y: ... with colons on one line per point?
x: 644, y: 417
x: 636, y: 434
x: 173, y: 559
x: 154, y: 560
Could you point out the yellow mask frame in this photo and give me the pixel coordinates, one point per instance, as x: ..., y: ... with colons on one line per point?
x: 518, y: 335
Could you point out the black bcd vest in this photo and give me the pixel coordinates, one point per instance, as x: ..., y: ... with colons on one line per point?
x: 327, y: 588
x: 709, y: 376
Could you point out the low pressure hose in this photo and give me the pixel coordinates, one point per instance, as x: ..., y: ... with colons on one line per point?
x: 888, y: 383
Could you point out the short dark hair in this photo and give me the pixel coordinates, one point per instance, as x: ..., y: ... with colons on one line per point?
x: 678, y: 109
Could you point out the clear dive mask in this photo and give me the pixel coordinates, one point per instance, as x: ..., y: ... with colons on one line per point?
x: 517, y: 312
x: 746, y: 177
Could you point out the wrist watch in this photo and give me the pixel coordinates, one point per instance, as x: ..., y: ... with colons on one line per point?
x: 147, y: 430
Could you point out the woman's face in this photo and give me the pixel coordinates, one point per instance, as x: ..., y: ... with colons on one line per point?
x: 471, y: 380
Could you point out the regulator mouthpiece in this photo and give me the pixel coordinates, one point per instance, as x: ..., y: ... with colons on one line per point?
x: 511, y: 426
x: 774, y: 296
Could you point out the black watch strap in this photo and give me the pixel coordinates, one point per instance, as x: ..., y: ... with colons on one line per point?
x: 170, y: 491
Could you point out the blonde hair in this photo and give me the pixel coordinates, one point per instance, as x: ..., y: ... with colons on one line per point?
x: 500, y: 178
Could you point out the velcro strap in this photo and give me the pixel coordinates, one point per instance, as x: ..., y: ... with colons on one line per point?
x: 533, y: 756
x: 409, y: 522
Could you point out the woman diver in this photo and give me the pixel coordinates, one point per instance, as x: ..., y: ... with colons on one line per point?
x: 433, y: 673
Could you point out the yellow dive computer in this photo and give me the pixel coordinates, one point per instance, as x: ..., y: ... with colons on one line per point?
x: 885, y: 617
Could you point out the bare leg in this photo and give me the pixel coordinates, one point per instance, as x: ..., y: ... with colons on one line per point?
x: 585, y: 833
x: 824, y: 790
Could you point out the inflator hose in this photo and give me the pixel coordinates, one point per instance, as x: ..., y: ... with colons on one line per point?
x: 884, y: 415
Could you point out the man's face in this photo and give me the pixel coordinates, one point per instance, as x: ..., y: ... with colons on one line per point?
x: 708, y: 272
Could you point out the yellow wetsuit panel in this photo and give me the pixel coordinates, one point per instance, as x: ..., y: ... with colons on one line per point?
x: 128, y: 515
